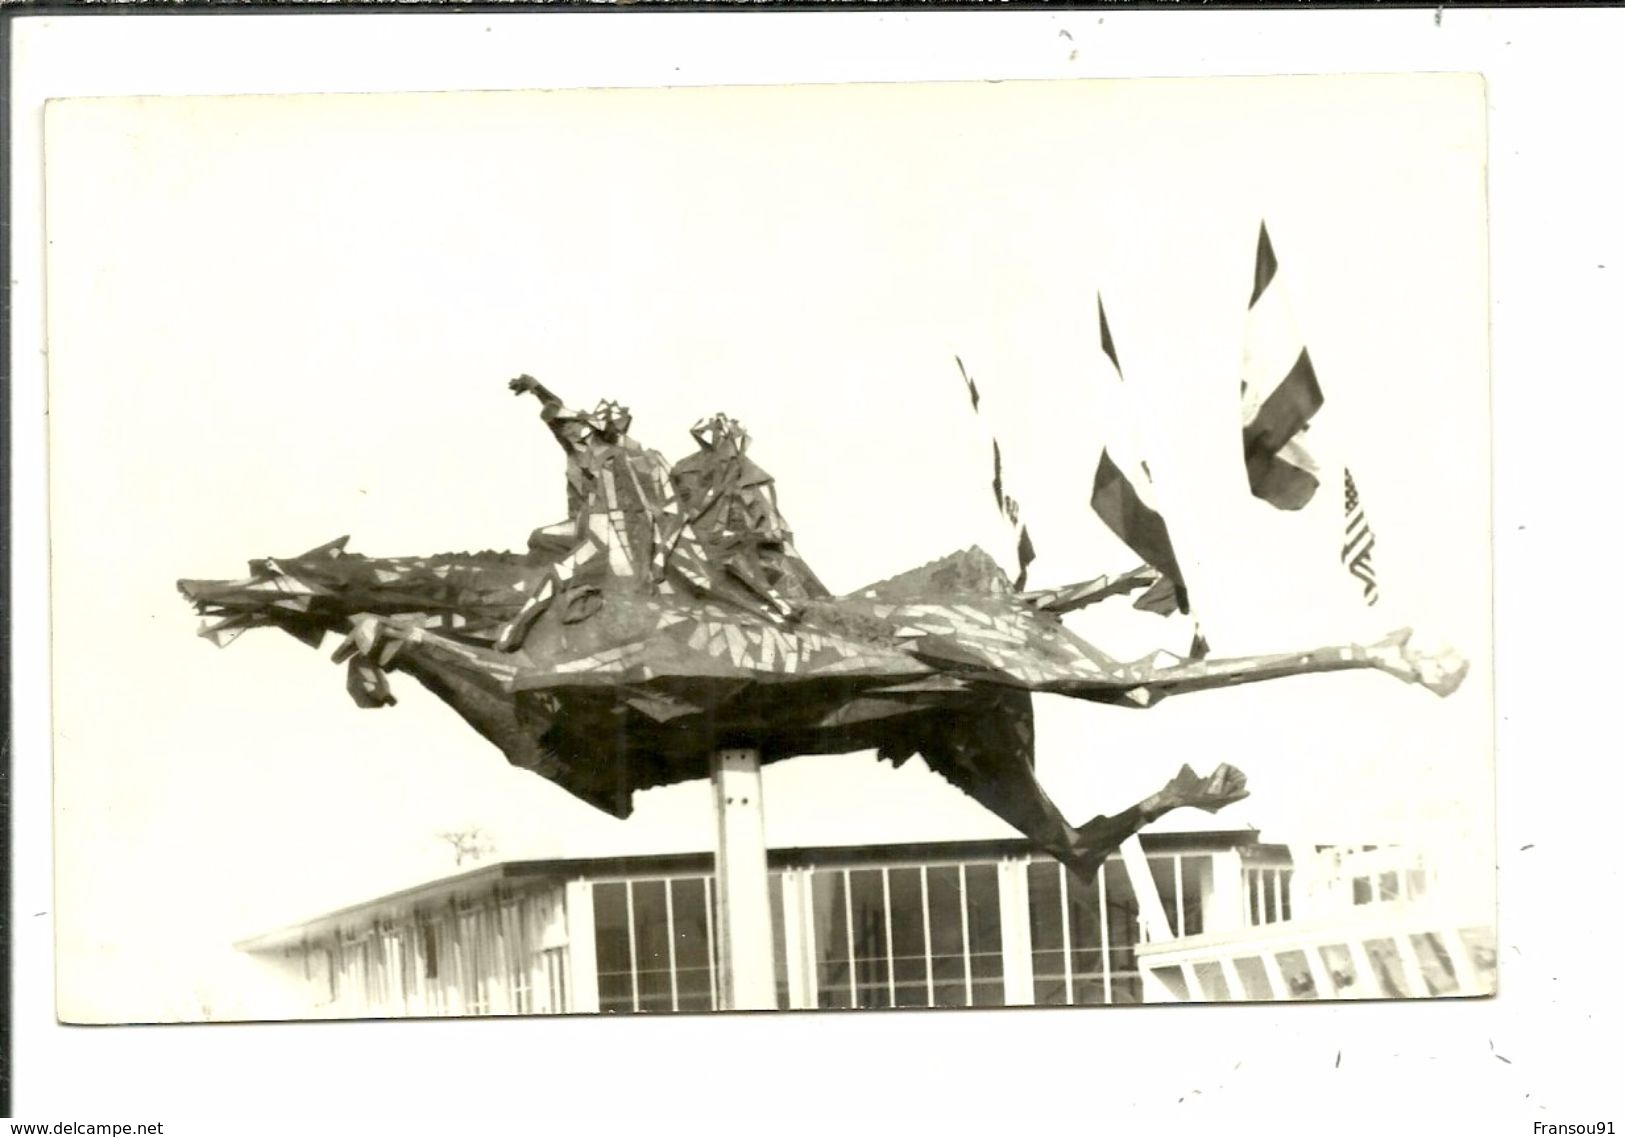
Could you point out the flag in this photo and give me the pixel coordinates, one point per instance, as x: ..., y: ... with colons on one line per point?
x: 1357, y: 540
x: 1025, y: 555
x: 1124, y: 499
x: 1279, y: 393
x: 970, y: 385
x: 1000, y: 501
x: 1007, y: 506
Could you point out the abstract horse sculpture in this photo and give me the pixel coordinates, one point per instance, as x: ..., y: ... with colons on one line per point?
x: 671, y: 616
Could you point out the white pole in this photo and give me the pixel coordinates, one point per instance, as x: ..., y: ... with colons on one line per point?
x: 745, y: 922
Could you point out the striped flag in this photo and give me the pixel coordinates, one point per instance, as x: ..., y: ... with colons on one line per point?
x: 1008, y: 509
x: 1124, y: 499
x: 1357, y: 540
x: 1279, y: 393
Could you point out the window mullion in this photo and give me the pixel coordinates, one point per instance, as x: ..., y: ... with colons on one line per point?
x: 885, y: 912
x: 632, y: 945
x: 1066, y: 933
x: 964, y: 936
x: 1105, y: 933
x: 1179, y: 895
x: 851, y: 937
x: 925, y: 908
x: 710, y: 943
x: 671, y: 946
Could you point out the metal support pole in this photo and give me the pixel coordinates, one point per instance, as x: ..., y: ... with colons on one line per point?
x: 744, y: 920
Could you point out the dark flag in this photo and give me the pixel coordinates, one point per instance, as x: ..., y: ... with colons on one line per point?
x: 1025, y: 554
x: 999, y: 500
x: 1279, y: 393
x: 1199, y: 649
x: 970, y: 385
x: 1124, y: 499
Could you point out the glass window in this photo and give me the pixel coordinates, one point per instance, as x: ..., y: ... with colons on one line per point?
x: 950, y: 963
x: 1340, y: 965
x: 906, y: 901
x: 1048, y: 933
x: 1089, y: 962
x: 871, y: 962
x: 1255, y: 982
x: 1083, y: 948
x: 431, y: 950
x: 1122, y: 931
x: 655, y: 946
x: 651, y: 947
x: 612, y: 931
x: 1196, y: 883
x: 1267, y: 895
x: 1211, y: 978
x: 913, y: 936
x: 781, y: 967
x: 1173, y: 979
x: 1384, y: 958
x: 1300, y: 981
x: 516, y: 957
x: 830, y: 939
x: 1165, y: 875
x: 986, y: 936
x: 1437, y: 970
x: 1416, y: 881
x: 319, y: 970
x: 691, y: 935
x: 1480, y: 945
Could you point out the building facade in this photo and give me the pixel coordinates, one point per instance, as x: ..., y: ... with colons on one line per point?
x: 1171, y: 917
x: 1350, y: 923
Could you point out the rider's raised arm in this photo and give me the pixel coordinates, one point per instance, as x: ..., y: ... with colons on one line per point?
x: 570, y: 428
x: 529, y: 385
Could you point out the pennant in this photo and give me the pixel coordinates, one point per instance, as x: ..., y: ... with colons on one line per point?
x: 1199, y: 647
x: 998, y: 479
x: 1025, y: 555
x: 970, y: 385
x: 1006, y: 505
x: 1122, y: 505
x: 1124, y: 499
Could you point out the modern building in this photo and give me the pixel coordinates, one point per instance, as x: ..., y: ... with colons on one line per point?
x: 1210, y: 916
x: 1348, y: 923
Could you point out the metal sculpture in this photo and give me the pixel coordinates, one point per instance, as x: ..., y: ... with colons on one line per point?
x: 670, y: 617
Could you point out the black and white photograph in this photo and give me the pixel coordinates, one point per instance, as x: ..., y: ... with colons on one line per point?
x: 810, y: 548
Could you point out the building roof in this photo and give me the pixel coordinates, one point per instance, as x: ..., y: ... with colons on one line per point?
x: 521, y: 874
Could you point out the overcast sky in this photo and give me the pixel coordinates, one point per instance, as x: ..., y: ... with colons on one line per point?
x: 277, y: 320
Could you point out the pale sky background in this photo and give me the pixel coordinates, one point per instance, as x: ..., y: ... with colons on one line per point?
x: 276, y: 320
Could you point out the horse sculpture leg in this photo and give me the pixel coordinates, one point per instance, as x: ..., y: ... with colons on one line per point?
x: 1093, y: 840
x: 989, y: 755
x: 1149, y: 680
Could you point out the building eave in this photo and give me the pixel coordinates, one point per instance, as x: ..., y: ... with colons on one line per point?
x: 479, y: 881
